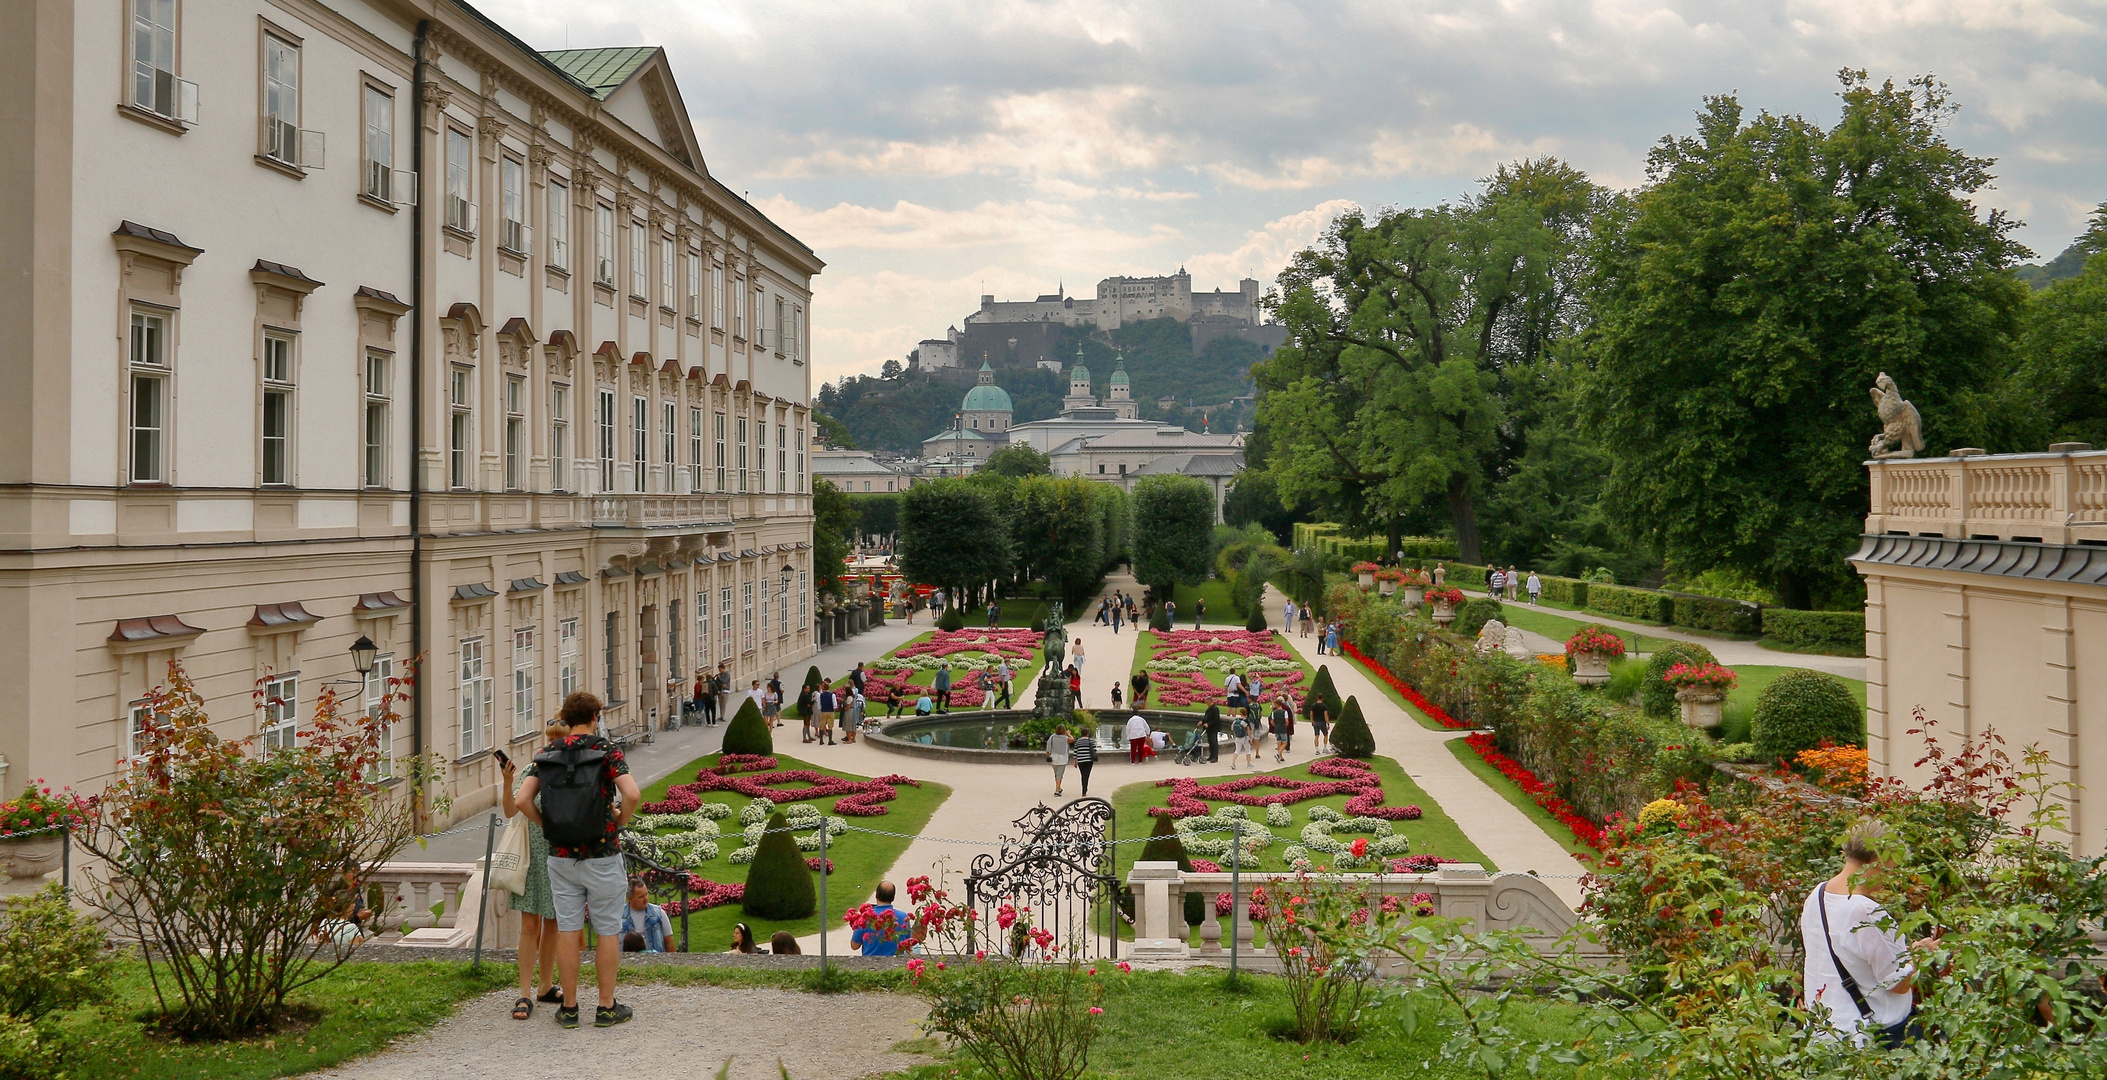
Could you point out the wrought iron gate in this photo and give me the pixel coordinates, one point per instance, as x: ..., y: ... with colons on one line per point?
x: 1060, y: 873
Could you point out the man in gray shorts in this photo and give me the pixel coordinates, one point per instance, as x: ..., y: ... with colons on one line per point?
x: 590, y: 876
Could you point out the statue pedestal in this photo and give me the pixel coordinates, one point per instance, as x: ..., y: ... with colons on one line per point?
x: 1053, y: 699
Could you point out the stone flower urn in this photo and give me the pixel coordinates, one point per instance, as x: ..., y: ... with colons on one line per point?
x: 31, y: 856
x: 1591, y: 668
x: 1367, y: 579
x: 1444, y: 612
x: 1388, y: 587
x: 1703, y: 707
x: 1413, y: 594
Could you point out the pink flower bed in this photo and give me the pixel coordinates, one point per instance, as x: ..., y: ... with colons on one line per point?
x: 1176, y: 689
x: 1171, y: 644
x: 1350, y: 777
x: 857, y: 798
x: 881, y: 685
x: 1014, y: 643
x: 703, y: 894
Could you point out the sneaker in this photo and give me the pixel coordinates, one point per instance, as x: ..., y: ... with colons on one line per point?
x: 567, y: 1018
x: 610, y: 1015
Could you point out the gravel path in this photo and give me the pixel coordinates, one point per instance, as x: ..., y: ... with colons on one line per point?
x: 680, y: 1033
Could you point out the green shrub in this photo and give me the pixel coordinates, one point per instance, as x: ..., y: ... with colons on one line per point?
x: 1473, y: 615
x: 1160, y: 619
x: 1801, y: 708
x: 1838, y: 633
x: 1714, y: 613
x: 1321, y: 687
x: 1656, y: 697
x: 1626, y: 677
x: 1566, y: 592
x: 748, y: 733
x: 1350, y: 736
x: 806, y: 693
x: 51, y: 957
x: 952, y: 619
x: 779, y: 884
x: 26, y: 1052
x: 1257, y: 621
x: 1632, y: 603
x: 1464, y: 575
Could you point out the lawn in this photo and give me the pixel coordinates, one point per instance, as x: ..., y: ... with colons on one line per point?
x: 1219, y: 608
x: 1396, y: 698
x: 1436, y: 833
x: 860, y: 859
x: 362, y: 1007
x: 1145, y: 650
x: 1509, y: 790
x: 963, y: 668
x: 1560, y: 627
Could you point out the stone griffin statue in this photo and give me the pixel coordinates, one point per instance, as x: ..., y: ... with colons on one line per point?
x: 1056, y: 640
x: 1902, y: 430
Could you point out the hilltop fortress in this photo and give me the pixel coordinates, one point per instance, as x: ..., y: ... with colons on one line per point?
x: 1026, y: 331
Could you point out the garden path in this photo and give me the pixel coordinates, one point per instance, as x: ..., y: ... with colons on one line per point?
x: 680, y: 1032
x: 1505, y: 834
x: 1730, y: 652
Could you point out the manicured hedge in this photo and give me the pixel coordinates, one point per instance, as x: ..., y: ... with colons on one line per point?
x: 1464, y: 575
x: 1800, y: 710
x: 1564, y: 591
x: 1632, y: 603
x: 1714, y: 613
x: 1842, y: 633
x: 1332, y: 538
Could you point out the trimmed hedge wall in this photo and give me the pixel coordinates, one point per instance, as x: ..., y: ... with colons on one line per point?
x: 1714, y: 613
x: 1632, y: 603
x: 1465, y: 576
x: 1331, y: 538
x: 1839, y: 632
x: 1567, y: 592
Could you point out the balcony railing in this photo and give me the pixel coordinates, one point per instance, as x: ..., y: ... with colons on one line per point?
x: 657, y: 511
x: 2054, y: 498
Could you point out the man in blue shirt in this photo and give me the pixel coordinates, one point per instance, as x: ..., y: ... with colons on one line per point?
x: 644, y: 924
x: 882, y: 936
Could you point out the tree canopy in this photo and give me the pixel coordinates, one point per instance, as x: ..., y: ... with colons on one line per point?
x: 2062, y: 382
x: 1173, y: 539
x: 1018, y: 460
x: 953, y: 533
x: 834, y: 526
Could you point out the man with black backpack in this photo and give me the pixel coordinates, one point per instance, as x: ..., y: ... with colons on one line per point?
x: 578, y: 778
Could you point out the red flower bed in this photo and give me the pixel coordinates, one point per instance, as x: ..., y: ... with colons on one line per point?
x: 703, y: 893
x: 891, y: 684
x: 1351, y: 777
x: 1179, y: 688
x: 858, y: 798
x: 1015, y: 643
x: 1171, y: 644
x: 1404, y: 689
x: 1587, y: 832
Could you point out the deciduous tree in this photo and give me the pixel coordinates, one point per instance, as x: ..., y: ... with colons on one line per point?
x: 1173, y: 531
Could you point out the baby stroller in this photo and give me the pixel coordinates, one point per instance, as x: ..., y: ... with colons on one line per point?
x: 1195, y: 748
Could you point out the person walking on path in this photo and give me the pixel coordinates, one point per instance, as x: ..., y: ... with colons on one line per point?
x: 1536, y: 588
x: 585, y: 854
x: 1104, y: 611
x: 536, y: 906
x: 1211, y: 725
x: 1287, y: 614
x: 1240, y: 743
x: 1117, y: 698
x: 1199, y: 610
x: 1137, y: 739
x: 1003, y: 675
x: 852, y: 715
x: 1283, y: 729
x: 1307, y: 620
x: 1170, y: 612
x: 1494, y: 581
x: 1075, y: 655
x: 1075, y: 684
x: 699, y: 695
x: 1118, y: 614
x: 1057, y: 755
x: 1084, y: 752
x: 1319, y: 715
x: 1514, y: 582
x: 808, y: 703
x: 985, y: 680
x: 942, y: 686
x: 1331, y: 639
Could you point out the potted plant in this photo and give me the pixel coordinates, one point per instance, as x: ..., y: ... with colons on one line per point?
x: 32, y: 830
x: 1387, y: 580
x: 1366, y: 572
x: 1415, y: 582
x: 1444, y: 600
x: 1702, y: 690
x: 1590, y: 651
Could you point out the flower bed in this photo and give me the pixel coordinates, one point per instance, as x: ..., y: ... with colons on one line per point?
x: 1705, y: 678
x: 1351, y: 777
x: 1587, y: 832
x: 858, y: 798
x: 1404, y: 689
x: 969, y: 652
x: 1184, y: 664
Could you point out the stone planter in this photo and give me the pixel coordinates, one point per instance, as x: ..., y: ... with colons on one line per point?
x: 1388, y: 588
x: 1413, y: 595
x: 1702, y: 708
x: 1367, y: 580
x: 33, y: 856
x: 1591, y: 668
x: 1444, y: 612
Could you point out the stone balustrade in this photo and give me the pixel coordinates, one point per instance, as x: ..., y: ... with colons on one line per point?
x: 2053, y: 498
x: 1457, y: 891
x: 411, y: 892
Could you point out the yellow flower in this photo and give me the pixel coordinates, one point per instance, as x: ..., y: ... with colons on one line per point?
x: 1660, y: 810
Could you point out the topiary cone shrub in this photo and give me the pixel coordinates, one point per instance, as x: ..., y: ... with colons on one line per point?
x: 1350, y: 736
x: 748, y: 733
x: 1161, y: 620
x: 813, y: 681
x: 779, y: 884
x: 1799, y: 710
x: 1656, y: 697
x: 951, y: 619
x: 1321, y: 687
x: 1257, y: 621
x: 1164, y: 846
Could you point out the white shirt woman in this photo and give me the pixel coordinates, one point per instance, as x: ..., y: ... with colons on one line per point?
x: 1862, y: 935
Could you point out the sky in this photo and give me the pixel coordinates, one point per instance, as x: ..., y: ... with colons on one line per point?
x: 936, y: 150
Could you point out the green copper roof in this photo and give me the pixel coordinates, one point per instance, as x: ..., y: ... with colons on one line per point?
x: 1119, y: 375
x: 986, y: 399
x: 601, y: 70
x: 1078, y: 372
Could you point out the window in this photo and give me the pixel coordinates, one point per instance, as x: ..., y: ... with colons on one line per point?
x: 639, y: 442
x: 782, y: 458
x: 764, y: 611
x: 746, y: 601
x: 380, y: 144
x: 801, y: 486
x: 461, y: 428
x: 279, y: 724
x: 702, y: 630
x: 673, y: 657
x: 719, y: 430
x: 606, y: 448
x: 668, y: 256
x: 155, y: 87
x: 738, y: 307
x: 523, y: 723
x: 791, y: 331
x: 137, y: 716
x: 559, y: 437
x: 724, y: 623
x: 149, y: 411
x: 639, y: 248
x: 515, y: 433
x: 779, y: 324
x: 514, y: 234
x: 282, y: 138
x: 760, y: 318
x: 559, y: 225
x: 717, y: 298
x: 804, y: 600
x: 476, y: 698
x: 460, y: 187
x: 668, y: 436
x: 374, y: 696
x: 783, y: 606
x: 277, y: 409
x: 376, y: 436
x: 604, y: 244
x: 695, y: 285
x: 695, y: 449
x: 567, y: 673
x: 742, y: 455
x: 611, y: 656
x: 760, y: 453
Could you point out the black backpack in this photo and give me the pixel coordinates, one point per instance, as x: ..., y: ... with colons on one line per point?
x: 573, y: 809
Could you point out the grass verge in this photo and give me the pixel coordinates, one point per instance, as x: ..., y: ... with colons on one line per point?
x: 860, y: 859
x: 1483, y: 770
x: 1396, y: 698
x: 1220, y: 610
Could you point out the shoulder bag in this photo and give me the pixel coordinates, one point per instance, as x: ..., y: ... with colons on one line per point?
x: 509, y: 859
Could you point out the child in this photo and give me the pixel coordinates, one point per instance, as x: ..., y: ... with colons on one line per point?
x: 1118, y: 695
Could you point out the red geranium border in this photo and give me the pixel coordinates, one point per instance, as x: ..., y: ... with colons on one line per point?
x: 1587, y: 832
x: 1404, y: 689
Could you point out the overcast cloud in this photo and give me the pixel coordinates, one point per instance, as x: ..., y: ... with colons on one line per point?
x: 930, y: 151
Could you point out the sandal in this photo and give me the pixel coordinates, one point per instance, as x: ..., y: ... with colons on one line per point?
x: 553, y: 995
x: 523, y: 1009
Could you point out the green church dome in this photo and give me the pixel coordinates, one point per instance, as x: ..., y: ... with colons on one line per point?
x: 1079, y: 373
x: 1119, y: 375
x: 986, y: 399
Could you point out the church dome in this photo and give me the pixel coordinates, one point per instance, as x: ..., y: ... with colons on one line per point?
x: 1119, y: 375
x: 986, y: 399
x: 1079, y: 373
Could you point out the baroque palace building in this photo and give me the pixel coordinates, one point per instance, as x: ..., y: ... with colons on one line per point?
x: 361, y: 318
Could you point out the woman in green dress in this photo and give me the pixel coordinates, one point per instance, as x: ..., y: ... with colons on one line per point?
x: 536, y: 906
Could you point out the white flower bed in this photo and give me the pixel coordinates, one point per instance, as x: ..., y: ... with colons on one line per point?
x: 1210, y: 837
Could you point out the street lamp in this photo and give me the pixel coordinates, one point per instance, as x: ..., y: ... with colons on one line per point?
x: 363, y: 655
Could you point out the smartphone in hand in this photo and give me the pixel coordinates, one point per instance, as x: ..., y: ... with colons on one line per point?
x: 503, y: 762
